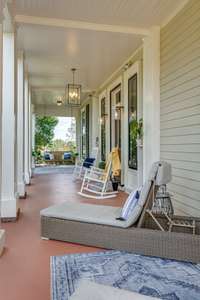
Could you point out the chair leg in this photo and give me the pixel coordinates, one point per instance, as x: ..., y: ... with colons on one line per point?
x: 82, y: 186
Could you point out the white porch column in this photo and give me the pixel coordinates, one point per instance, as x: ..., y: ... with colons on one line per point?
x: 30, y: 133
x: 33, y: 134
x: 1, y: 70
x: 26, y: 131
x: 95, y: 121
x: 151, y: 96
x: 20, y: 127
x: 8, y: 184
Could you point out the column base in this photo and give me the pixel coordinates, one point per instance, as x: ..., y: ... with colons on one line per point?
x: 21, y: 190
x: 11, y: 219
x: 2, y: 240
x: 9, y: 209
x: 27, y: 178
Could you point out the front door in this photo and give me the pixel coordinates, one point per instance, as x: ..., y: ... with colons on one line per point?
x: 115, y: 117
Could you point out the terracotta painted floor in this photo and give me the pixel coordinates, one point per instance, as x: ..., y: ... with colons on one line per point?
x: 24, y: 266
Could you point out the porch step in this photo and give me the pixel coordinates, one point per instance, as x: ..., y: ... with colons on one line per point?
x: 2, y: 240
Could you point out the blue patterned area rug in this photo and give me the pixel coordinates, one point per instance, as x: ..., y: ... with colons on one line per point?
x: 161, y: 278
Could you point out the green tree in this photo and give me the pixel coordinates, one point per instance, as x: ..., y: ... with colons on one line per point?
x: 44, y: 131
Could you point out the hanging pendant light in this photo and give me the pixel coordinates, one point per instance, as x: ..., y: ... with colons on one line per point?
x: 74, y: 92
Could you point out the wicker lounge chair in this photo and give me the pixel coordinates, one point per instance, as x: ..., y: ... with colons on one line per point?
x: 97, y: 225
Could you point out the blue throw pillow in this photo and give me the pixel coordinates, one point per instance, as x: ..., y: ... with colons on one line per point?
x: 67, y: 155
x: 129, y: 205
x: 88, y: 162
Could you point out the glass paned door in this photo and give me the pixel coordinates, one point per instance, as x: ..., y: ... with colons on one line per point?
x: 103, y: 129
x: 132, y: 119
x: 85, y: 123
x: 115, y: 117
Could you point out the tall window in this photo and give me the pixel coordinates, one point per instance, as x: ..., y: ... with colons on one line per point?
x: 115, y: 118
x: 83, y: 135
x: 85, y: 131
x: 103, y: 129
x: 132, y: 115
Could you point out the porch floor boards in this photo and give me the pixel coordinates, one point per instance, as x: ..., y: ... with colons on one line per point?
x: 24, y: 266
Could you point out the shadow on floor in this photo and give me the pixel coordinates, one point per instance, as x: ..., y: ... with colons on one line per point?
x: 54, y: 170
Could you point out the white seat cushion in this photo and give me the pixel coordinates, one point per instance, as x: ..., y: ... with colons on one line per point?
x: 97, y: 214
x: 88, y: 290
x: 83, y: 212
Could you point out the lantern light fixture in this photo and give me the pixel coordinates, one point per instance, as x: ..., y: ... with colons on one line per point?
x: 73, y: 91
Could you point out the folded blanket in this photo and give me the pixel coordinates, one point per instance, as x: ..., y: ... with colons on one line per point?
x: 88, y: 290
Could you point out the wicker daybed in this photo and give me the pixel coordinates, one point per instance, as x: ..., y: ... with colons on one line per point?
x: 89, y: 224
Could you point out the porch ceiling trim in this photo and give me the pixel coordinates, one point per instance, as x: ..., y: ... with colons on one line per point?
x: 62, y: 23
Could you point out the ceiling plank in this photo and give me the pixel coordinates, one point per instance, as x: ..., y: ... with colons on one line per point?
x: 62, y: 23
x: 56, y: 88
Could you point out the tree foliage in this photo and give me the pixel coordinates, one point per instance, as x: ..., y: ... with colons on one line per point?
x: 44, y: 131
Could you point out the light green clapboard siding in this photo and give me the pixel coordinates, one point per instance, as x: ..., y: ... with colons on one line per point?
x: 180, y: 106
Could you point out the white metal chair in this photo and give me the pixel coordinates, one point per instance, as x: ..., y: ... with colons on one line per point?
x: 95, y: 182
x: 84, y: 164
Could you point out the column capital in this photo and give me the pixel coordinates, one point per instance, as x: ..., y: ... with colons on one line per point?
x: 8, y: 17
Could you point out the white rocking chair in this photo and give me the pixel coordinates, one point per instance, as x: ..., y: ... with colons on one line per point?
x: 95, y: 182
x: 82, y: 165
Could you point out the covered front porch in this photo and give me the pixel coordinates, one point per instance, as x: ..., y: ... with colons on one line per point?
x: 127, y: 72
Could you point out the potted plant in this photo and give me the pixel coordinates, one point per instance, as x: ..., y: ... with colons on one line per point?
x: 102, y: 165
x: 137, y: 131
x: 115, y: 182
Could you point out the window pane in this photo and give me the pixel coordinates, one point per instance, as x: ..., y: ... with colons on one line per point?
x: 103, y: 130
x: 83, y: 134
x: 87, y: 130
x: 132, y: 115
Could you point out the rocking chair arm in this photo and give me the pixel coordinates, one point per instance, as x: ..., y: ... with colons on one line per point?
x: 95, y: 169
x: 79, y: 162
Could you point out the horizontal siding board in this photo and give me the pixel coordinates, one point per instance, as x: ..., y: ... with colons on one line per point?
x: 172, y: 155
x: 181, y: 148
x: 181, y: 140
x: 184, y: 104
x: 184, y: 165
x: 191, y: 175
x: 182, y: 198
x: 182, y: 113
x: 186, y: 77
x: 188, y: 95
x: 180, y: 106
x: 183, y: 69
x: 180, y: 204
x: 187, y: 121
x: 187, y: 55
x: 186, y: 192
x: 188, y: 183
x: 175, y: 46
x: 185, y: 14
x: 178, y: 210
x: 181, y: 89
x: 182, y: 131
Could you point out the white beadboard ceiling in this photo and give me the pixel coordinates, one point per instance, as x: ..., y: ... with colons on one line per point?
x: 142, y: 13
x: 51, y: 51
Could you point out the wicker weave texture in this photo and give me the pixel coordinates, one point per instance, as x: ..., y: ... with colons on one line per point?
x: 179, y: 246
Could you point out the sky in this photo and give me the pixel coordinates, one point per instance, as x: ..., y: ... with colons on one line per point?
x: 61, y: 128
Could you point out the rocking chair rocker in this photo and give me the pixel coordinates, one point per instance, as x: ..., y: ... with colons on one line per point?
x: 95, y: 182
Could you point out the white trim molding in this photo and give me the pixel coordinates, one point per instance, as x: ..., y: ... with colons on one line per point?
x: 151, y: 100
x: 75, y: 24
